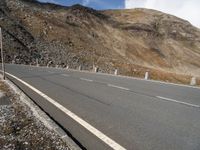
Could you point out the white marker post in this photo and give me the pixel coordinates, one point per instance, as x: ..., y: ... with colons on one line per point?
x: 37, y: 62
x: 95, y: 69
x: 116, y: 72
x: 146, y: 76
x: 193, y: 81
x: 2, y: 56
x: 80, y: 67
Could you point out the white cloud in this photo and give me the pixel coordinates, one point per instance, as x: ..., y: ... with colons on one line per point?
x: 134, y: 3
x: 49, y: 1
x: 186, y: 9
x: 85, y: 2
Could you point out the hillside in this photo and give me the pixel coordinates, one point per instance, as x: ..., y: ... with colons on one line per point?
x: 134, y: 41
x: 160, y: 40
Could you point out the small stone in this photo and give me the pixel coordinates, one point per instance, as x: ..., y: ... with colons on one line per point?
x: 26, y: 143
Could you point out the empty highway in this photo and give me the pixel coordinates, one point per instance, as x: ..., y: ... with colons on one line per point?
x: 112, y: 112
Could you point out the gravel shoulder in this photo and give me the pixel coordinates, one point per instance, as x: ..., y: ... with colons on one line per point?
x: 22, y: 127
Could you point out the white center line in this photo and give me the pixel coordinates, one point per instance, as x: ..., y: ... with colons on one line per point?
x: 114, y: 145
x: 66, y: 75
x: 176, y: 101
x: 119, y: 87
x: 86, y: 80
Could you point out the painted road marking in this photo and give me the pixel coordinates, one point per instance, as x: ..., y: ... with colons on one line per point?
x: 79, y: 120
x: 176, y: 101
x: 119, y: 87
x: 84, y: 79
x: 66, y: 75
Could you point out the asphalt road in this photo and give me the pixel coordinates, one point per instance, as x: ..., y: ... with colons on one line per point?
x: 136, y: 114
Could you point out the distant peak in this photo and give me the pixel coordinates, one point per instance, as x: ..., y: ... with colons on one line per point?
x: 30, y: 1
x: 80, y: 9
x: 77, y: 6
x: 46, y: 5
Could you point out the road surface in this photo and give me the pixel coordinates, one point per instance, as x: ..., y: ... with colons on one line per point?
x: 135, y: 114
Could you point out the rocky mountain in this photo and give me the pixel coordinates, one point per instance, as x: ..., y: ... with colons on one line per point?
x: 133, y: 41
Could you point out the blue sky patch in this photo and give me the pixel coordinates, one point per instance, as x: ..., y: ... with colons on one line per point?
x: 96, y: 4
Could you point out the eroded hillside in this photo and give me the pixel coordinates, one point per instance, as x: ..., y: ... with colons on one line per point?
x: 134, y: 41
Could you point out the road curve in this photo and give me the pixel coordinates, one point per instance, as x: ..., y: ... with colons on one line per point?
x: 133, y: 114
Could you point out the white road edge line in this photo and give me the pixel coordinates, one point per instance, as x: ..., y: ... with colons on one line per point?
x: 84, y: 79
x: 66, y: 75
x: 119, y: 87
x: 86, y: 125
x: 176, y: 101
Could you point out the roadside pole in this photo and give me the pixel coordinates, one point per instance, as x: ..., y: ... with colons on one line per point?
x: 2, y: 56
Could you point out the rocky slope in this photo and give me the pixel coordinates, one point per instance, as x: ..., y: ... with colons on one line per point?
x: 133, y: 41
x: 160, y: 40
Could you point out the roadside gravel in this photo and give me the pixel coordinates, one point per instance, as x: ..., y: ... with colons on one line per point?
x: 20, y: 129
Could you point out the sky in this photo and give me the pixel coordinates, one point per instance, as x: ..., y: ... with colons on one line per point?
x: 186, y: 9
